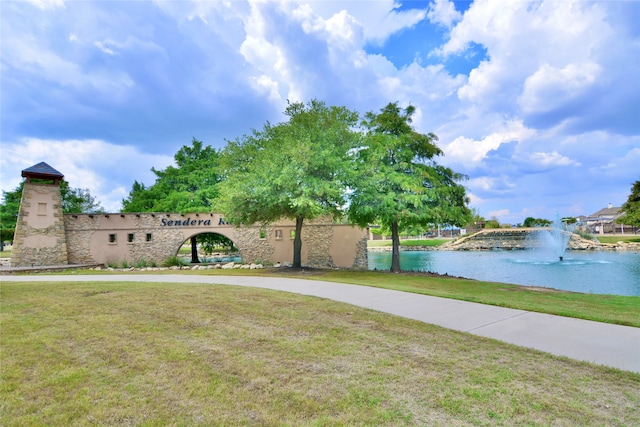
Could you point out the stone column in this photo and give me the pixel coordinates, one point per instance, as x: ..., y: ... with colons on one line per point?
x: 40, y: 237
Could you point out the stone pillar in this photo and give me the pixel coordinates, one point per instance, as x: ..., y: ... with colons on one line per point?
x: 40, y: 237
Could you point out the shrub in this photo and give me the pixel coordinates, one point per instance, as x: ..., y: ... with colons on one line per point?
x: 173, y: 262
x: 142, y: 264
x: 584, y: 235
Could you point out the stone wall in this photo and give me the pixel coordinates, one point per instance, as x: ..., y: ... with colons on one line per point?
x: 318, y: 239
x: 361, y: 261
x: 153, y: 238
x: 114, y: 238
x: 512, y: 239
x: 40, y: 237
x: 253, y: 248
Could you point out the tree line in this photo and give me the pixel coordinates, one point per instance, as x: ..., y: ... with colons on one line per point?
x: 323, y: 161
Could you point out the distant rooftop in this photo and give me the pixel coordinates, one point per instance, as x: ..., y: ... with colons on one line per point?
x: 608, y: 212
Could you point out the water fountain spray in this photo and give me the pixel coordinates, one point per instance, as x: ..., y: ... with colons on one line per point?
x: 560, y: 234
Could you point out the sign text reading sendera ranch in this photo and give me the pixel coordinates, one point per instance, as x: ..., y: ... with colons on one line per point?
x: 188, y: 222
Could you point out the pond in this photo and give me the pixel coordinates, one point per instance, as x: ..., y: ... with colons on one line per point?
x: 600, y: 272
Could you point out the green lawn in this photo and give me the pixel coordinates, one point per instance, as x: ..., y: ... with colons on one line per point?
x: 616, y: 309
x: 622, y: 310
x: 615, y: 239
x: 167, y: 354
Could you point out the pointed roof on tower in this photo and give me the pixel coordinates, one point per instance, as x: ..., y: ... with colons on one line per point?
x: 42, y: 171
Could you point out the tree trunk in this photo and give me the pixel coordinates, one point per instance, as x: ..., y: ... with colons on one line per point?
x: 194, y: 251
x: 297, y: 243
x: 395, y: 254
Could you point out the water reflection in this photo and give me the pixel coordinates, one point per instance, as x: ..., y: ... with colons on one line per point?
x: 589, y: 272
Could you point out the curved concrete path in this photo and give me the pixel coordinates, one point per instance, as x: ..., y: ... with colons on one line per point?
x: 601, y: 343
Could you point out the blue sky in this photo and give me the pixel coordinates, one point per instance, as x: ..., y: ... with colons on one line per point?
x: 537, y: 102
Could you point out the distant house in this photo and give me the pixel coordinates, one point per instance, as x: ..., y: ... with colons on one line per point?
x: 604, y: 221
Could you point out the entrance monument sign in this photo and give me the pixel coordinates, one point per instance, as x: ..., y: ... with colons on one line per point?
x: 46, y: 236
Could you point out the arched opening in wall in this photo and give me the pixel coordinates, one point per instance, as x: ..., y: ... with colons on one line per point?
x: 208, y: 248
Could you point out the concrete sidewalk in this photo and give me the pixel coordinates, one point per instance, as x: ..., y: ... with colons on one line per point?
x: 601, y: 343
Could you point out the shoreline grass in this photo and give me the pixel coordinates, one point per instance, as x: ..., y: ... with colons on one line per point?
x: 155, y: 354
x: 616, y: 309
x: 631, y: 238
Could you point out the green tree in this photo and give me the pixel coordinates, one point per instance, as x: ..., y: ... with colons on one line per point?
x: 189, y: 186
x: 397, y: 182
x: 536, y: 222
x: 477, y: 220
x: 631, y: 208
x: 78, y: 200
x: 492, y: 223
x: 74, y: 200
x: 9, y: 214
x: 295, y: 170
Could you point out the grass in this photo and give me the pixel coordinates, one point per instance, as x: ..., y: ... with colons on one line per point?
x: 623, y: 310
x: 155, y: 354
x: 5, y: 254
x: 616, y: 309
x: 416, y: 242
x: 615, y: 239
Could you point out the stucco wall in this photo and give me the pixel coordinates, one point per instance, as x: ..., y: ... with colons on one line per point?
x: 114, y: 238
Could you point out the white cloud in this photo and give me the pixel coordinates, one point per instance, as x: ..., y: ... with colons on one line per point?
x: 500, y: 213
x: 471, y: 153
x: 443, y: 12
x: 551, y: 88
x: 28, y: 55
x: 379, y: 19
x: 551, y: 159
x: 103, y: 46
x: 532, y: 47
x: 491, y: 185
x: 624, y: 166
x: 107, y: 170
x: 47, y: 4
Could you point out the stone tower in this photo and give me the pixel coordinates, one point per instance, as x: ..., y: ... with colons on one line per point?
x: 40, y: 237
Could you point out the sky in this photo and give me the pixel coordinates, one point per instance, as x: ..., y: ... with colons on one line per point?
x: 537, y: 102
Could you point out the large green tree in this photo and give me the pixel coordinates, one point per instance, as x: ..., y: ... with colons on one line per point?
x: 631, y: 208
x: 296, y: 169
x: 74, y: 200
x: 398, y: 184
x: 189, y: 186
